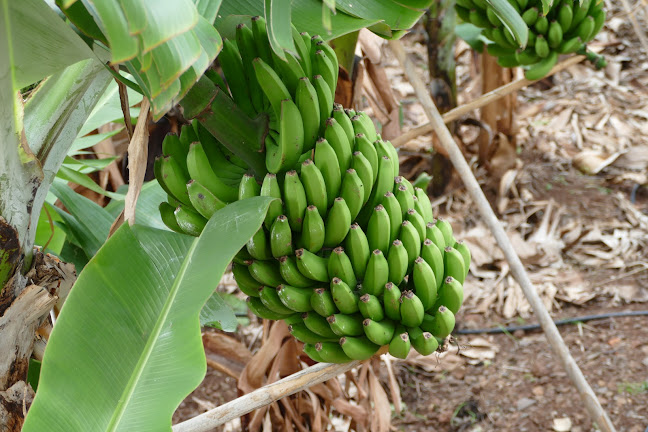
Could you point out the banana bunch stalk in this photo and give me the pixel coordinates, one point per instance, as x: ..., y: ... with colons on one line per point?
x: 349, y: 255
x: 566, y: 28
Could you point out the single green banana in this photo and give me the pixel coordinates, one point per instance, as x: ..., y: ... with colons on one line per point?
x: 320, y: 44
x: 271, y: 84
x: 379, y: 332
x: 338, y: 223
x: 290, y: 71
x: 294, y: 200
x: 352, y: 190
x: 270, y: 299
x: 201, y: 170
x: 391, y: 301
x: 425, y: 204
x: 265, y: 272
x: 189, y: 221
x: 405, y: 199
x: 312, y: 266
x: 569, y: 46
x: 541, y: 26
x: 398, y: 262
x: 280, y: 238
x: 555, y: 34
x: 327, y: 162
x: 384, y: 183
x: 434, y: 257
x: 270, y: 187
x: 451, y: 295
x: 468, y: 4
x: 385, y: 148
x: 314, y: 186
x: 232, y: 66
x: 246, y: 283
x: 229, y: 167
x: 364, y: 146
x: 203, y: 200
x: 172, y: 146
x: 297, y: 299
x: 565, y: 16
x: 496, y: 50
x: 303, y: 51
x: 393, y: 209
x: 542, y: 47
x: 313, y: 231
x: 291, y: 274
x: 371, y: 307
x: 325, y: 98
x: 498, y: 35
x: 247, y: 50
x: 346, y: 325
x: 331, y: 352
x: 258, y: 246
x: 259, y: 309
x: 424, y: 281
x: 337, y: 138
x: 542, y: 68
x: 322, y: 302
x: 417, y: 221
x: 530, y: 16
x: 248, y: 187
x: 318, y: 325
x: 411, y: 309
x: 343, y: 119
x: 376, y: 274
x: 453, y: 263
x: 442, y: 324
x: 358, y: 348
x: 463, y: 13
x: 508, y: 61
x: 344, y: 297
x: 400, y: 345
x: 286, y: 149
x: 166, y: 213
x: 423, y: 342
x: 411, y: 240
x: 172, y: 179
x: 339, y: 265
x: 585, y: 29
x: 446, y: 229
x: 242, y: 257
x: 599, y: 22
x: 465, y: 253
x: 433, y: 233
x: 260, y: 36
x: 362, y: 166
x: 379, y: 229
x: 308, y: 104
x: 357, y: 248
x: 305, y: 335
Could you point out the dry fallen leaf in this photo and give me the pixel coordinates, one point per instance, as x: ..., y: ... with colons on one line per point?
x: 563, y: 424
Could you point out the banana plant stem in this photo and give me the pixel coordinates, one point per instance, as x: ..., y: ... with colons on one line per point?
x: 556, y: 342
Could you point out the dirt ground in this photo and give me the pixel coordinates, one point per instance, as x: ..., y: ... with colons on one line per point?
x: 575, y: 202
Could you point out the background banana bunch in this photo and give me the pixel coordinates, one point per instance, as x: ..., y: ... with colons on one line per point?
x: 565, y: 28
x: 349, y: 255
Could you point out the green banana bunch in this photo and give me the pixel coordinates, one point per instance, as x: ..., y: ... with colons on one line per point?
x: 565, y: 28
x: 349, y: 254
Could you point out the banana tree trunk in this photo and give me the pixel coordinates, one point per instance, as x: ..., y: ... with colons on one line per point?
x: 33, y: 146
x: 440, y: 28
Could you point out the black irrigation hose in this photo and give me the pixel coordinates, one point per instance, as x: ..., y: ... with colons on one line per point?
x: 527, y: 327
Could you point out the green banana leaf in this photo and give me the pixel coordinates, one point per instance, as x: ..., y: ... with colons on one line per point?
x: 126, y: 348
x: 166, y: 45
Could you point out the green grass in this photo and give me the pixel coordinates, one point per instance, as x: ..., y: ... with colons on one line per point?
x: 632, y: 387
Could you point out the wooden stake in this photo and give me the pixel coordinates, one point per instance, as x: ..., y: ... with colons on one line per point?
x: 481, y: 101
x: 263, y: 396
x: 556, y: 342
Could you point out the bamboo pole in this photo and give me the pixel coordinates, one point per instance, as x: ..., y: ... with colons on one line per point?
x: 263, y: 396
x: 556, y: 342
x: 481, y: 101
